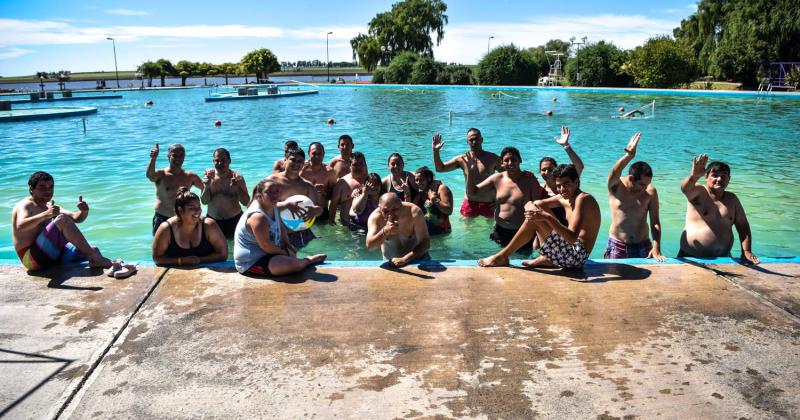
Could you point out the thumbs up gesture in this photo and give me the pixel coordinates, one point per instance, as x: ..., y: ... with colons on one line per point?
x: 82, y: 205
x: 53, y: 210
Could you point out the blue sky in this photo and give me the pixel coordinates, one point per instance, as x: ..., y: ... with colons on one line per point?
x: 71, y: 35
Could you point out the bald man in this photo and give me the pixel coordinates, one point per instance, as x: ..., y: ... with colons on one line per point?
x: 399, y: 229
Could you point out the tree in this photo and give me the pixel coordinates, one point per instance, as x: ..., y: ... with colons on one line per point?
x: 407, y: 27
x: 262, y: 62
x: 662, y: 62
x: 228, y: 69
x: 149, y: 70
x: 185, y: 69
x: 600, y: 64
x: 166, y: 69
x: 426, y: 72
x: 506, y: 65
x: 399, y: 70
x: 732, y: 39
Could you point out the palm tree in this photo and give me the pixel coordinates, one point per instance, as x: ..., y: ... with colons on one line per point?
x: 185, y: 69
x: 149, y: 70
x: 166, y: 69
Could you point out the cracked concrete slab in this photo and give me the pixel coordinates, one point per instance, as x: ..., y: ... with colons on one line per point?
x: 779, y: 283
x: 617, y: 341
x: 53, y: 326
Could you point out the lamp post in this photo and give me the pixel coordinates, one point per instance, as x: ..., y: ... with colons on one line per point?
x: 577, y: 63
x: 327, y: 55
x: 489, y: 44
x: 114, y: 45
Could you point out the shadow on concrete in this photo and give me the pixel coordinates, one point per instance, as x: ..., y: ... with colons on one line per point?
x: 718, y: 271
x: 595, y: 273
x: 58, y: 276
x: 309, y: 274
x: 388, y: 267
x: 40, y: 359
x: 761, y: 269
x: 433, y: 266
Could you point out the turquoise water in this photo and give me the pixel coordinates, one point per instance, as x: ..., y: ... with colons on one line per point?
x: 107, y: 163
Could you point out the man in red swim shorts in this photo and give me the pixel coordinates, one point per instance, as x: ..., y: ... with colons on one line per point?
x: 476, y: 203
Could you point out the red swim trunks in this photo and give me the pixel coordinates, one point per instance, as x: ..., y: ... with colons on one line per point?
x: 471, y: 208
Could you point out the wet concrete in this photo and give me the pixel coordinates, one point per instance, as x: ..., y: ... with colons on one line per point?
x: 53, y: 327
x: 617, y: 341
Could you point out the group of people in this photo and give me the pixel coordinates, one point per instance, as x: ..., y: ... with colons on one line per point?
x: 397, y: 213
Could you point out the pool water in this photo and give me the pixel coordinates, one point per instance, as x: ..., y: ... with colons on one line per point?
x: 106, y: 163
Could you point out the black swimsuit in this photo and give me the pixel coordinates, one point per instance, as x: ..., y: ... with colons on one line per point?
x: 204, y: 248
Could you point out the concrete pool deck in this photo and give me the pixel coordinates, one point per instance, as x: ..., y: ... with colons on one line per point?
x: 617, y: 341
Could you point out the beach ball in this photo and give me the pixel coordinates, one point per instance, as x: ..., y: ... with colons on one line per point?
x: 297, y: 223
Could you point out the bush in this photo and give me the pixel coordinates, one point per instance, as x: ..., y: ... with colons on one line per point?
x: 600, y: 64
x: 506, y: 65
x: 399, y: 70
x: 378, y: 76
x: 426, y: 72
x: 663, y: 62
x: 460, y: 74
x: 793, y: 77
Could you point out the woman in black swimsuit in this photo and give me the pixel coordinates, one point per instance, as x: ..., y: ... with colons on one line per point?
x: 399, y: 181
x: 188, y: 238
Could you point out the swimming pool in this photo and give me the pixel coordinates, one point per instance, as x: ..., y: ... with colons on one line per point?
x: 106, y: 164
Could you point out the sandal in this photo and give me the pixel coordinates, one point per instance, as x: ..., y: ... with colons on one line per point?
x: 116, y: 265
x: 126, y: 271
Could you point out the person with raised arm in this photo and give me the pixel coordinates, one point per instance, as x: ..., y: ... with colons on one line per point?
x: 547, y: 165
x: 564, y: 246
x: 399, y: 229
x: 513, y: 188
x: 45, y: 235
x: 711, y: 214
x: 632, y: 199
x: 168, y: 181
x: 224, y: 192
x: 476, y: 203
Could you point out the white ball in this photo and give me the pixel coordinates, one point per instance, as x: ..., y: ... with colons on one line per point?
x: 297, y: 223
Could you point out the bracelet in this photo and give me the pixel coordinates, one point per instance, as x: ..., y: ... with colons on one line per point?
x: 567, y: 146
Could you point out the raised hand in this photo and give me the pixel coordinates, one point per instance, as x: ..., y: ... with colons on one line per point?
x: 437, y: 142
x: 631, y: 147
x: 154, y: 152
x: 699, y: 166
x: 406, y: 189
x: 236, y: 180
x: 209, y: 175
x: 52, y: 209
x: 82, y: 205
x: 357, y: 192
x: 564, y: 139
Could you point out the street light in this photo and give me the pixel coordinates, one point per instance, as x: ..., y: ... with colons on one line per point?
x: 489, y: 44
x: 577, y: 63
x: 114, y: 44
x: 327, y: 55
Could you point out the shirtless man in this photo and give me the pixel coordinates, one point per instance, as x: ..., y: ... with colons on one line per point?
x: 476, y: 203
x: 290, y: 183
x: 280, y: 164
x: 632, y: 198
x: 321, y: 176
x: 224, y: 192
x: 399, y: 229
x: 168, y: 180
x: 341, y: 163
x: 562, y: 246
x: 347, y: 188
x: 711, y: 213
x: 513, y: 189
x: 44, y: 235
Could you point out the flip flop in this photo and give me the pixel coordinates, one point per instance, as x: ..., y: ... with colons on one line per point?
x: 116, y: 265
x: 126, y: 271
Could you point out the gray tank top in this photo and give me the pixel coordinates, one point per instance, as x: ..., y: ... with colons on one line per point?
x: 246, y: 251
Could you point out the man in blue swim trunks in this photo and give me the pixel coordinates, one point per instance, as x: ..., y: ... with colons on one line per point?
x: 44, y: 235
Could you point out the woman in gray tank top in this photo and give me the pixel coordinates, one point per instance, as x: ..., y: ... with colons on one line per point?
x: 261, y: 245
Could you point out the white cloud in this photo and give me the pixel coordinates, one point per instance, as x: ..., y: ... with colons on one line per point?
x: 9, y: 53
x: 466, y: 42
x: 128, y: 12
x: 683, y: 11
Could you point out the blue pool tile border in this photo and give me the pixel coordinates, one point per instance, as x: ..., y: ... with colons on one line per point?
x: 638, y: 91
x: 474, y: 263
